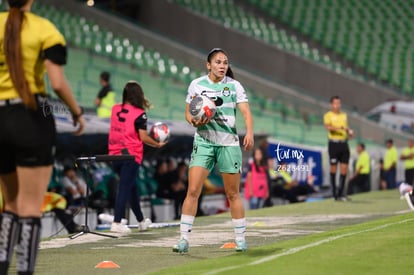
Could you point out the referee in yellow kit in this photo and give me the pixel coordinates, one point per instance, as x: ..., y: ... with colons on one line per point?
x: 336, y: 123
x: 407, y: 155
x: 359, y: 182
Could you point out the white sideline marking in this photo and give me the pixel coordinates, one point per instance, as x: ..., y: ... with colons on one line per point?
x: 300, y: 248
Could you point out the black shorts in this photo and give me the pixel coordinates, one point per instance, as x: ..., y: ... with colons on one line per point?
x: 409, y: 176
x: 338, y: 152
x: 27, y: 138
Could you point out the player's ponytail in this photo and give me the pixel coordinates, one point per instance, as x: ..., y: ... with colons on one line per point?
x: 230, y: 73
x: 13, y: 52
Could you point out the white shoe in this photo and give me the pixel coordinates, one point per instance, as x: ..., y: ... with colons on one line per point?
x: 144, y: 224
x: 108, y: 218
x: 120, y: 228
x: 408, y: 198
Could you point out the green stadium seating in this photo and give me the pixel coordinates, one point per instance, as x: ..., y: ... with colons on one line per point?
x: 232, y: 15
x: 376, y: 35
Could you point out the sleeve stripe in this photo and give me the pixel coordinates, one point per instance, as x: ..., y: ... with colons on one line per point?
x: 57, y: 54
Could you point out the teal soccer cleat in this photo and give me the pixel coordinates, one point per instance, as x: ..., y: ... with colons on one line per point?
x: 241, y: 246
x: 181, y: 247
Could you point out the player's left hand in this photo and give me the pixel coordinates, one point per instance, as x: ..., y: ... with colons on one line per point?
x: 350, y: 132
x: 248, y: 142
x: 80, y: 123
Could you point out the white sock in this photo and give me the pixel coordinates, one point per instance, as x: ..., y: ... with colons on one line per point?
x: 239, y: 228
x: 186, y: 225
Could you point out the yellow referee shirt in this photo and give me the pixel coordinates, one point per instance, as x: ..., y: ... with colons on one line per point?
x: 408, y: 163
x: 390, y: 158
x: 38, y: 34
x: 338, y: 120
x: 363, y: 163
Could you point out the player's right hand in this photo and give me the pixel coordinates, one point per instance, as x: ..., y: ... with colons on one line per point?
x: 200, y: 122
x: 80, y: 123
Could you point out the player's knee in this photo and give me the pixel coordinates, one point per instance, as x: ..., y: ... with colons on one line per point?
x: 193, y: 194
x: 232, y: 195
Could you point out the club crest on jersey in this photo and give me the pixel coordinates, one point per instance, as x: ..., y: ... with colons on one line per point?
x: 226, y: 91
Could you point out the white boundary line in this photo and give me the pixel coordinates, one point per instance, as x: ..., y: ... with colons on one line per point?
x: 300, y: 248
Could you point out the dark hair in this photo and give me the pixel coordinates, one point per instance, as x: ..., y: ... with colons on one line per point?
x: 362, y: 145
x: 13, y: 52
x: 212, y: 53
x: 262, y: 161
x: 390, y: 141
x: 134, y: 95
x: 334, y: 98
x: 105, y: 76
x: 67, y: 169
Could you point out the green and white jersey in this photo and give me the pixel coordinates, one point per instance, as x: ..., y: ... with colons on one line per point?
x: 221, y: 130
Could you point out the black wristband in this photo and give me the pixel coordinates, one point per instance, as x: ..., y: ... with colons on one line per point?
x: 75, y: 117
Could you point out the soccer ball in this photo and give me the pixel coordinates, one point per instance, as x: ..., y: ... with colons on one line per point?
x: 201, y: 106
x: 160, y: 132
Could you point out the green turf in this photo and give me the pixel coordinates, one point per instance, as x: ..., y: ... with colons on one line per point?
x: 271, y: 231
x: 379, y: 247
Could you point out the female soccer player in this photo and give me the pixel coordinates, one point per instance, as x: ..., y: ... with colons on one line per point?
x: 216, y: 142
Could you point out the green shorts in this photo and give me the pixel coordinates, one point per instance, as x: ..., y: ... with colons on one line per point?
x: 228, y: 158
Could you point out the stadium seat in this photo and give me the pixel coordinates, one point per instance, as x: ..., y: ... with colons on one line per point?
x: 362, y: 32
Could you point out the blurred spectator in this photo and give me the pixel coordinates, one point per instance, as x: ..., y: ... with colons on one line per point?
x: 56, y: 203
x: 172, y: 184
x: 256, y: 189
x: 288, y: 188
x: 211, y: 188
x: 74, y: 187
x: 383, y: 183
x: 390, y: 164
x: 407, y: 155
x: 268, y: 161
x: 75, y: 192
x: 105, y: 185
x: 359, y: 182
x: 106, y: 96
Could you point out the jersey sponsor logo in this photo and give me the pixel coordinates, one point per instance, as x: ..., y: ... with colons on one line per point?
x: 214, y: 96
x: 211, y: 94
x: 220, y: 119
